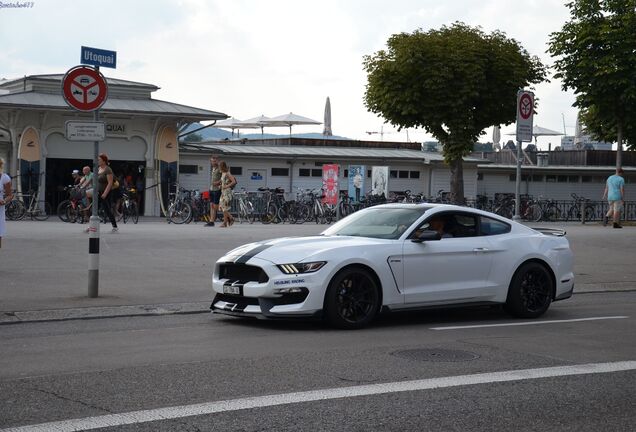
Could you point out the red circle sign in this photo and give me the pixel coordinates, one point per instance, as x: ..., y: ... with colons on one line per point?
x: 84, y: 88
x: 525, y: 106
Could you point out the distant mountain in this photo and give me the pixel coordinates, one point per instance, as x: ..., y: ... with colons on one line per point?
x: 216, y: 134
x: 208, y: 134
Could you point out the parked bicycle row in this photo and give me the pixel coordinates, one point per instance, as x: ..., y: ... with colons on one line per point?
x: 540, y: 209
x: 271, y: 206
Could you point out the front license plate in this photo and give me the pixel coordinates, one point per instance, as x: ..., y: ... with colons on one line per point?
x: 232, y: 289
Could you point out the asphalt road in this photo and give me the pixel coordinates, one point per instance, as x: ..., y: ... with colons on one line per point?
x: 44, y: 265
x: 81, y: 369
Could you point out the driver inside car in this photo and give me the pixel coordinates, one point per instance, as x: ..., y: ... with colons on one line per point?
x: 436, y: 223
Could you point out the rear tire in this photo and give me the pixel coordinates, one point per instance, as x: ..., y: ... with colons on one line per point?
x: 42, y: 211
x: 63, y: 211
x: 352, y: 299
x: 179, y: 213
x: 15, y: 210
x: 552, y: 213
x: 530, y: 292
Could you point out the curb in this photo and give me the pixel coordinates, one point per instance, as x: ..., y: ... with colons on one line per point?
x: 73, y: 314
x: 22, y: 317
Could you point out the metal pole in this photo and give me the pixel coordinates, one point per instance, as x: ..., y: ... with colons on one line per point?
x: 93, y: 228
x: 518, y: 184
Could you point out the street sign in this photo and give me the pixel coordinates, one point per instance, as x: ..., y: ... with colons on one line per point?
x: 84, y: 88
x: 98, y: 57
x: 85, y: 130
x: 525, y: 110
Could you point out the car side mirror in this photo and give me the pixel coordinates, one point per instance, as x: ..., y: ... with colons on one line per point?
x: 427, y: 235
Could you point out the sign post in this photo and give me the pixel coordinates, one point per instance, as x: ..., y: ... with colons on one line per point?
x: 525, y: 111
x: 85, y: 89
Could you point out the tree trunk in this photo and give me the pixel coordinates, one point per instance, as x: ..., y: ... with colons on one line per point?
x: 619, y: 145
x: 457, y: 181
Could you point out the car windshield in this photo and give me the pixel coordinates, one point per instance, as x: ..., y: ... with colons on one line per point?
x: 378, y: 222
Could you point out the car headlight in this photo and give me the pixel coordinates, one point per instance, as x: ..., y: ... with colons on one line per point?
x: 299, y: 268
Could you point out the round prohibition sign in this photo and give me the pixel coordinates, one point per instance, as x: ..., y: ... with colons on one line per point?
x: 84, y: 88
x: 525, y: 106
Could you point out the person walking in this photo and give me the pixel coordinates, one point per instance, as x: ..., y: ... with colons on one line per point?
x: 5, y: 197
x: 105, y: 182
x: 228, y: 181
x: 615, y: 194
x: 215, y: 189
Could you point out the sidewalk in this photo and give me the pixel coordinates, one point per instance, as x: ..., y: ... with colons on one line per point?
x: 157, y: 268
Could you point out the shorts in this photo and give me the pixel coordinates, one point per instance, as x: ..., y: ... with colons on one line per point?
x: 615, y: 206
x: 215, y: 196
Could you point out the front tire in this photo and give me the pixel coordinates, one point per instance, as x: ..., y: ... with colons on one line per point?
x: 352, y: 299
x: 530, y: 291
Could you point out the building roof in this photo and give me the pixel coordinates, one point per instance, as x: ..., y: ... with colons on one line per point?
x: 555, y: 168
x: 155, y: 107
x: 57, y: 78
x: 318, y: 152
x: 43, y: 92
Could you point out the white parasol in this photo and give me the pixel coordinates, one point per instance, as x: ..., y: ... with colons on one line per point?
x: 233, y: 123
x: 290, y: 120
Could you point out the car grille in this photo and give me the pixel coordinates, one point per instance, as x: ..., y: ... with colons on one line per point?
x: 239, y: 300
x: 242, y: 273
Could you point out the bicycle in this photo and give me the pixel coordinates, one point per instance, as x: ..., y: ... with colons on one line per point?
x: 36, y: 209
x: 71, y: 210
x: 129, y: 208
x: 504, y: 205
x: 179, y: 211
x: 245, y: 207
x: 318, y: 210
x: 574, y: 212
x: 274, y: 199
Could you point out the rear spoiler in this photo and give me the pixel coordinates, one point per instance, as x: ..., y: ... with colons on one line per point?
x: 550, y: 231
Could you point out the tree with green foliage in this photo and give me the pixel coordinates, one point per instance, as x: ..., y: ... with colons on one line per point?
x: 454, y: 82
x: 596, y: 53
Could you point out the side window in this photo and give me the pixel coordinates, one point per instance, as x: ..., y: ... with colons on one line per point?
x: 462, y: 225
x: 491, y: 226
x: 450, y: 225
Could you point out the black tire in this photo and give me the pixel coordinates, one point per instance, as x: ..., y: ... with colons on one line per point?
x: 530, y: 292
x: 130, y: 212
x: 352, y: 299
x: 250, y: 212
x: 552, y: 213
x: 64, y: 211
x: 15, y: 210
x: 42, y: 211
x: 302, y: 213
x: 134, y: 212
x: 179, y: 213
x: 273, y: 211
x: 536, y: 213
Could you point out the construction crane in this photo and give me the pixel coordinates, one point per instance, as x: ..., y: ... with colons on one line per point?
x: 381, y: 133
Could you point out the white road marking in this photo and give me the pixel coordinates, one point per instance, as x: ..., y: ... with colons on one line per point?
x: 524, y: 323
x: 168, y: 413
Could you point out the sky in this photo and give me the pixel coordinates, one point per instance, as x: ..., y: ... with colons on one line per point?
x: 247, y: 57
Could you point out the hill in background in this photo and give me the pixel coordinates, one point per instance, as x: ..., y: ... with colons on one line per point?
x: 217, y: 134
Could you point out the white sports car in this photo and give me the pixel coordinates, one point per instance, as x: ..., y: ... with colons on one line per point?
x: 396, y: 257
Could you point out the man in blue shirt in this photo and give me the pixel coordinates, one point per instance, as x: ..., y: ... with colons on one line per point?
x: 615, y: 194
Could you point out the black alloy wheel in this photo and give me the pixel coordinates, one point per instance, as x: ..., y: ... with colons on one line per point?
x: 352, y: 299
x: 530, y: 292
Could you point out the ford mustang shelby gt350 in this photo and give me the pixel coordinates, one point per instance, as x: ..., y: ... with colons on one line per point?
x: 397, y: 257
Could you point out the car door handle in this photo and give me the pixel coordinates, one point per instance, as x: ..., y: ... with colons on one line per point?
x: 480, y: 250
